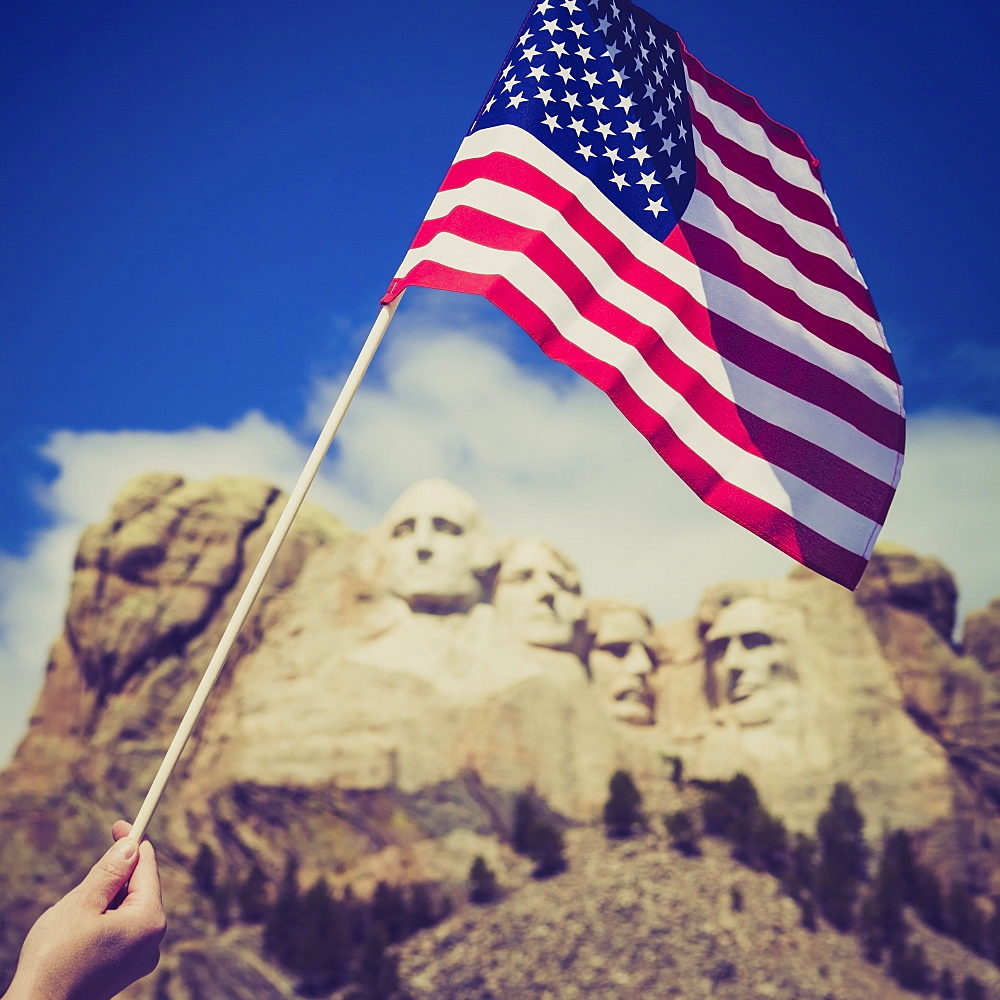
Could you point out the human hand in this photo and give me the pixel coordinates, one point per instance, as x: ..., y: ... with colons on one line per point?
x: 82, y: 948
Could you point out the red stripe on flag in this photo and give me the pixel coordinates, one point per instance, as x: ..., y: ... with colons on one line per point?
x: 719, y: 258
x: 503, y: 168
x: 775, y: 526
x: 758, y: 169
x: 776, y: 239
x: 805, y: 460
x: 780, y: 136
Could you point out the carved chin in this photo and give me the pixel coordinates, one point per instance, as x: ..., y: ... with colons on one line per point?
x: 552, y: 633
x: 634, y: 711
x: 753, y: 711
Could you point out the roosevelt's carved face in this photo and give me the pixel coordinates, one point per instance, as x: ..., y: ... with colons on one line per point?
x: 752, y: 663
x: 436, y: 543
x: 621, y: 661
x: 538, y: 594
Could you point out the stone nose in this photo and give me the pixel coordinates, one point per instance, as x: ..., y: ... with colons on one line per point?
x: 422, y: 540
x: 732, y: 658
x: 637, y: 660
x: 733, y: 679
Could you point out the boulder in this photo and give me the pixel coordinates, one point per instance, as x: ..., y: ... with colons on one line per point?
x: 981, y: 636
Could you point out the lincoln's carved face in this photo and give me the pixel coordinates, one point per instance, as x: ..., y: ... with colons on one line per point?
x: 436, y: 543
x: 538, y: 594
x: 621, y: 661
x: 752, y: 662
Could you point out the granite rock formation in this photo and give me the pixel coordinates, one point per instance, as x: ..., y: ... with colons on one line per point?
x: 394, y: 691
x: 981, y: 636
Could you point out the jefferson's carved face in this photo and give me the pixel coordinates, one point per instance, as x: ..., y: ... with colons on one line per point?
x: 538, y: 594
x: 621, y: 662
x: 435, y: 542
x: 752, y: 662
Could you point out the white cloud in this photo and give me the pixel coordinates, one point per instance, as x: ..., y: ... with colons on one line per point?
x: 544, y: 453
x: 948, y: 501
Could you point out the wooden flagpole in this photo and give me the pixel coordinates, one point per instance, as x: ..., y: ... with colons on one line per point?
x: 256, y: 581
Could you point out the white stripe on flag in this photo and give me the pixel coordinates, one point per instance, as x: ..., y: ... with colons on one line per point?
x: 703, y: 213
x: 782, y: 490
x: 745, y: 389
x: 731, y: 302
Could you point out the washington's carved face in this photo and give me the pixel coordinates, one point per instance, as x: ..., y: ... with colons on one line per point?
x: 752, y: 662
x: 538, y: 594
x: 435, y: 542
x: 621, y: 662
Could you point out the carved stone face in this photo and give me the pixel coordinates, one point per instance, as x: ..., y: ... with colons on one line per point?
x: 621, y: 662
x: 538, y: 594
x: 752, y: 663
x: 435, y: 542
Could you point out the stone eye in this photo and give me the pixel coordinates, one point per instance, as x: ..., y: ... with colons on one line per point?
x: 751, y: 640
x: 404, y: 528
x: 619, y: 650
x: 447, y: 527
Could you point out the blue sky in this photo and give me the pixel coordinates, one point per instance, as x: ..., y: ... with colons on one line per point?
x: 202, y: 204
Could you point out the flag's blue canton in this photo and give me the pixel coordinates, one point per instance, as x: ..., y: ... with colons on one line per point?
x: 601, y: 83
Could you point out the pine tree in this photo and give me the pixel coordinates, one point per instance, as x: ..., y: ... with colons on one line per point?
x: 730, y: 809
x: 422, y: 913
x: 767, y: 845
x: 251, y: 896
x: 804, y: 861
x: 973, y: 989
x: 868, y: 930
x: 549, y: 851
x: 992, y: 937
x: 390, y: 911
x: 320, y: 953
x: 808, y: 910
x: 683, y: 833
x: 203, y: 870
x: 843, y: 857
x: 946, y: 985
x: 281, y: 927
x: 536, y: 836
x: 623, y: 810
x: 929, y: 900
x: 483, y: 886
x: 733, y: 810
x: 799, y: 880
x: 676, y: 770
x: 882, y: 923
x: 357, y: 917
x: 376, y: 972
x: 908, y: 966
x: 525, y: 819
x: 897, y: 849
x: 222, y: 897
x: 965, y: 922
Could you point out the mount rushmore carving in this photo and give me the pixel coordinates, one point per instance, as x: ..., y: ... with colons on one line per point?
x: 429, y: 650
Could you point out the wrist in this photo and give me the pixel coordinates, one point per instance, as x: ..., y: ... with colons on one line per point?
x: 27, y: 984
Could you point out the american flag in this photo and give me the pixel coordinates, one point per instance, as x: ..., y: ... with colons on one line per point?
x: 650, y: 226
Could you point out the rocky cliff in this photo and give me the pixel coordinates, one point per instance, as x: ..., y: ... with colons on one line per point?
x: 394, y: 692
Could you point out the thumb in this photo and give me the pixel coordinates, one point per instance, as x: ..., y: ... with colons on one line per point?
x: 103, y: 882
